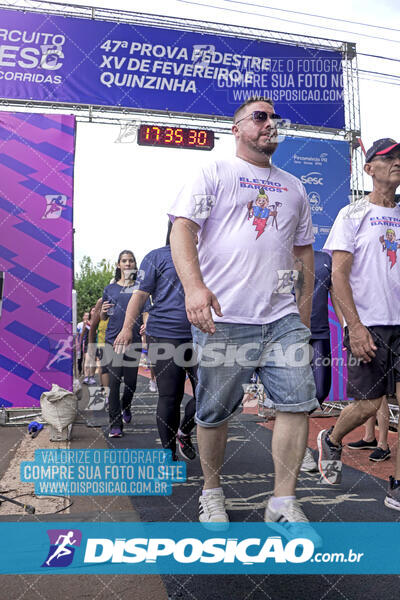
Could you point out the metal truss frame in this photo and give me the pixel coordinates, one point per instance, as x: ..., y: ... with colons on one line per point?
x: 133, y: 117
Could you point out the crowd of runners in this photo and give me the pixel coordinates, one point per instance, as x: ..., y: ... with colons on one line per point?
x: 238, y: 290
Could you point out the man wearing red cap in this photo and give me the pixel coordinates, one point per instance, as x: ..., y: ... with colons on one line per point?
x: 367, y: 288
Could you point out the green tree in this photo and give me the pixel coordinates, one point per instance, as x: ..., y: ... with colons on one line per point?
x: 91, y: 281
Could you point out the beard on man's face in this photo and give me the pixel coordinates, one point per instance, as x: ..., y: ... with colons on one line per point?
x: 267, y: 148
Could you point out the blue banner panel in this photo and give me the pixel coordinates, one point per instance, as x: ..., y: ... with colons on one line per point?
x: 51, y: 58
x: 191, y: 548
x: 323, y: 166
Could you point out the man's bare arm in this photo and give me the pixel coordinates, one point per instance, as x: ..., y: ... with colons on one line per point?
x: 184, y: 252
x: 361, y: 342
x: 133, y: 310
x: 198, y: 298
x: 94, y: 322
x: 304, y: 264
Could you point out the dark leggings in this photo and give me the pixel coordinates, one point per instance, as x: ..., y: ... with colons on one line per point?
x: 321, y: 366
x: 171, y: 388
x: 119, y: 368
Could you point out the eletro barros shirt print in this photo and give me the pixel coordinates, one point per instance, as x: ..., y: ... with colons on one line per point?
x: 372, y: 234
x: 250, y: 218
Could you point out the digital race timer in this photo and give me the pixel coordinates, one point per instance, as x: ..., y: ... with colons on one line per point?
x: 175, y: 137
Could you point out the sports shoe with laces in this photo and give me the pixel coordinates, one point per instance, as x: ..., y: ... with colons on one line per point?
x: 363, y: 445
x: 185, y: 447
x: 329, y: 460
x: 152, y: 386
x: 212, y: 509
x: 127, y: 415
x: 308, y: 465
x: 379, y: 454
x: 115, y: 432
x: 392, y: 499
x: 289, y: 520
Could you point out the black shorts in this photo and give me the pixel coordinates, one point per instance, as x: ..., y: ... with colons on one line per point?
x: 368, y: 381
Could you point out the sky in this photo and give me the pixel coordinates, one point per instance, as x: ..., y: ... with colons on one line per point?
x: 122, y: 190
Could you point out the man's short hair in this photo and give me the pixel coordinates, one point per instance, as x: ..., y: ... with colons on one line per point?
x: 251, y: 100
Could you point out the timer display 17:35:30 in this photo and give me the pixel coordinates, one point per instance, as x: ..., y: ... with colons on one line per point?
x: 175, y: 137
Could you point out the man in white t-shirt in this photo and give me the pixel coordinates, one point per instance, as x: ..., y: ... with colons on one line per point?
x: 366, y: 283
x: 252, y: 220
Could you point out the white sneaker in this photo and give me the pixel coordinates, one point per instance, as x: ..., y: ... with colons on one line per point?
x: 291, y: 522
x: 212, y: 509
x: 308, y: 465
x: 152, y: 386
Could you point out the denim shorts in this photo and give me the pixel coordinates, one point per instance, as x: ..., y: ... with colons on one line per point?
x: 278, y: 352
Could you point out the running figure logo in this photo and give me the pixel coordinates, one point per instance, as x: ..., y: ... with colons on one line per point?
x: 62, y: 547
x: 54, y: 206
x: 390, y: 244
x: 203, y: 205
x: 261, y: 210
x: 286, y: 281
x: 62, y: 351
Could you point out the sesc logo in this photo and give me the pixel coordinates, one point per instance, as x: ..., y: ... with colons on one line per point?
x: 192, y: 550
x: 313, y: 178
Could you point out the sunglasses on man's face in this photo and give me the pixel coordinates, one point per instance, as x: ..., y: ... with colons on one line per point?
x: 260, y: 116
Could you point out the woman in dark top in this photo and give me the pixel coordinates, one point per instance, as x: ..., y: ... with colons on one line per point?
x: 167, y: 327
x: 116, y: 297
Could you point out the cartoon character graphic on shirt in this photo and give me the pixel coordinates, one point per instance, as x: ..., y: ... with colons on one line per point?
x: 390, y: 244
x: 261, y: 210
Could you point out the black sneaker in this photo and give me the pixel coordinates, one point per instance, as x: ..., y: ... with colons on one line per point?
x: 379, y: 454
x: 363, y: 445
x: 329, y: 460
x: 392, y: 499
x: 185, y: 447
